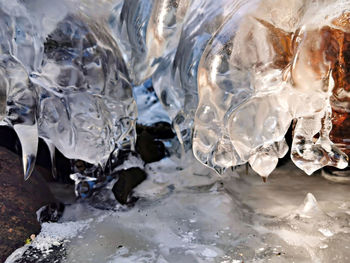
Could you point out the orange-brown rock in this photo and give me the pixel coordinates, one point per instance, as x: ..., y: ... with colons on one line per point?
x: 19, y: 201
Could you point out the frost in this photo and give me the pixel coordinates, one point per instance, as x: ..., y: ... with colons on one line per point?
x: 52, y: 234
x: 56, y: 233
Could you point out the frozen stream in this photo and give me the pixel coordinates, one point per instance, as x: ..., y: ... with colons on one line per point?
x: 191, y: 215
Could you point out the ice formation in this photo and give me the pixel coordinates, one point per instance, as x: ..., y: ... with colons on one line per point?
x: 242, y: 71
x: 267, y: 65
x: 64, y: 80
x: 231, y: 74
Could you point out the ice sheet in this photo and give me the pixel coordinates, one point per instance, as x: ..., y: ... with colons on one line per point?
x: 191, y: 215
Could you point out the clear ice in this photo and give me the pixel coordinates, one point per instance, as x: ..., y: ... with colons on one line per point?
x: 231, y: 74
x: 267, y: 65
x: 64, y: 80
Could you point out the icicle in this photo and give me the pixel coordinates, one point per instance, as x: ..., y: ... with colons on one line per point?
x: 311, y: 156
x: 265, y: 160
x: 263, y: 163
x: 28, y: 136
x: 52, y: 150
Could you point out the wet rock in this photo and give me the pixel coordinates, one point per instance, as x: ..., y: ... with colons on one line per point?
x: 19, y: 202
x: 127, y: 181
x: 9, y: 139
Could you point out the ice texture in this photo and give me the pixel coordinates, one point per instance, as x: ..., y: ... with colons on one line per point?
x: 87, y: 105
x: 231, y: 74
x: 64, y: 80
x: 268, y: 64
x: 240, y: 72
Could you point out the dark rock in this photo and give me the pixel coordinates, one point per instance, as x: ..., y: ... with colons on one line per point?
x: 127, y: 181
x: 50, y: 213
x: 34, y: 255
x: 9, y: 139
x: 150, y: 149
x: 289, y: 139
x: 159, y: 130
x: 64, y: 193
x: 149, y: 144
x: 19, y: 202
x: 63, y: 168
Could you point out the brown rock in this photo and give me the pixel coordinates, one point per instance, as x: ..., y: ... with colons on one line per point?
x: 19, y: 201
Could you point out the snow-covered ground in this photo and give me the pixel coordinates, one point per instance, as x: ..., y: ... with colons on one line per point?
x: 192, y: 215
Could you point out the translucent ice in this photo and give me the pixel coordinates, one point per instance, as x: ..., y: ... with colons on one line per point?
x: 261, y: 70
x: 146, y: 31
x: 21, y: 51
x: 239, y: 72
x: 175, y: 80
x: 63, y: 79
x: 231, y: 74
x: 86, y: 105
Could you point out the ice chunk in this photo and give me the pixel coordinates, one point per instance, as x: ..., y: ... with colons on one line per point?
x: 243, y: 70
x: 146, y: 31
x: 310, y: 207
x: 87, y: 105
x: 20, y: 52
x: 232, y: 76
x: 257, y: 74
x: 63, y: 79
x: 175, y: 79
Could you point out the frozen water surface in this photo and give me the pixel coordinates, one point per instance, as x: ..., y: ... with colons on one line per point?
x: 191, y: 215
